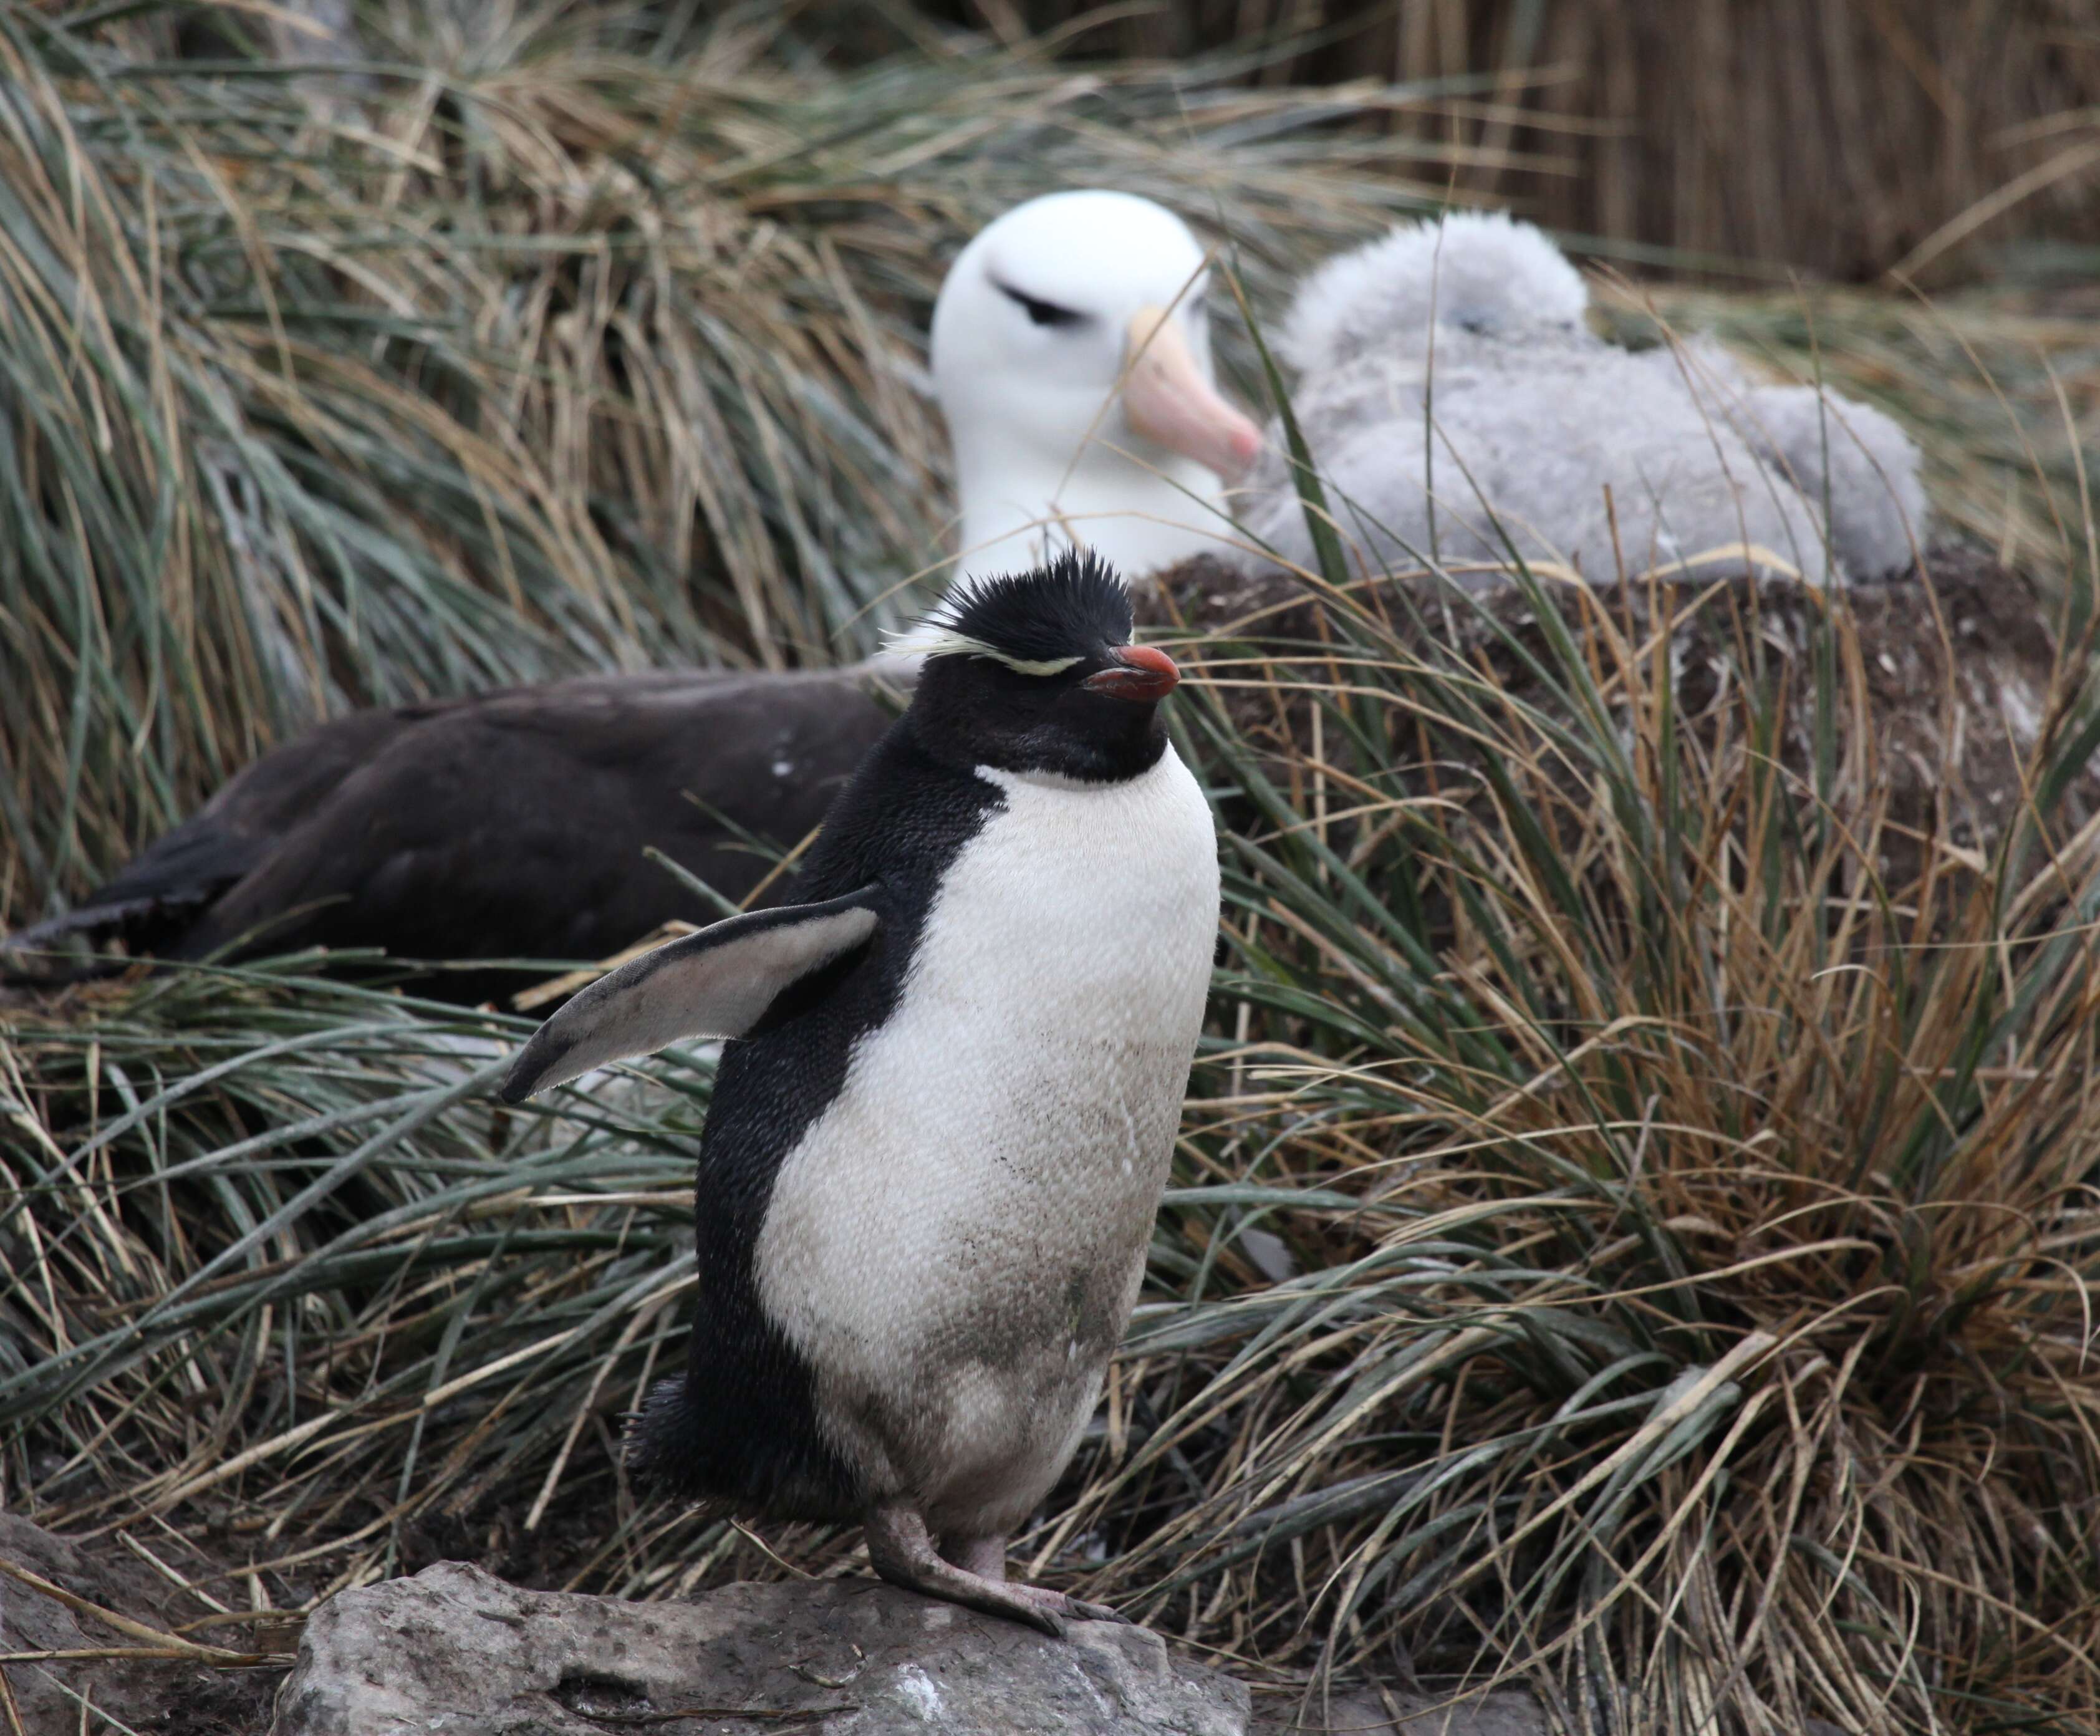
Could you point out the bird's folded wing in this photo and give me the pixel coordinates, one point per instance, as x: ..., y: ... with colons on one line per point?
x: 717, y: 982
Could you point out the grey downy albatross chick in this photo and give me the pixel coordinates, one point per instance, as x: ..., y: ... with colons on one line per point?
x: 1457, y: 405
x: 940, y: 1131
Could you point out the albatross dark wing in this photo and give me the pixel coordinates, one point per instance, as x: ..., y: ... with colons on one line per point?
x: 157, y: 897
x: 506, y: 827
x: 717, y: 982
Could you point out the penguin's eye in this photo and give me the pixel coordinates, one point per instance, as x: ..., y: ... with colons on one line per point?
x: 1042, y: 313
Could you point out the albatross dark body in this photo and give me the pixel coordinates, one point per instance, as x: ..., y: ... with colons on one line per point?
x: 510, y: 824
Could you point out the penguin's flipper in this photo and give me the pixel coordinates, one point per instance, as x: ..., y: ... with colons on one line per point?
x: 718, y: 983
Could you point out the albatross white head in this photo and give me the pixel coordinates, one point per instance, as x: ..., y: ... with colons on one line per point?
x: 1071, y: 350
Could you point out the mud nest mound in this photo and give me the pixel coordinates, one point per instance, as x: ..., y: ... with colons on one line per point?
x: 1960, y: 671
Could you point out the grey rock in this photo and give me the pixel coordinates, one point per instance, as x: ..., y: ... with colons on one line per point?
x: 455, y: 1650
x: 1393, y: 1712
x: 1269, y: 1254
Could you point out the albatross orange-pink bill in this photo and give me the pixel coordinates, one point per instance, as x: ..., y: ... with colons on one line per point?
x: 1168, y: 400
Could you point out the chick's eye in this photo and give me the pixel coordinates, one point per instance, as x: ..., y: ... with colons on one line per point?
x: 1042, y: 313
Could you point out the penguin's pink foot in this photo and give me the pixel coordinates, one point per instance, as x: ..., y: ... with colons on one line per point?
x: 972, y: 1573
x: 985, y: 1557
x: 1064, y: 1604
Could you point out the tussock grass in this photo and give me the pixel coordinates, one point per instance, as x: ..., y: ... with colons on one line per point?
x: 1704, y: 1322
x: 1623, y: 1241
x: 279, y: 1205
x: 1635, y: 1225
x: 1726, y: 132
x: 564, y: 346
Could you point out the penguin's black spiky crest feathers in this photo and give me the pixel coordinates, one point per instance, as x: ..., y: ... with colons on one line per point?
x: 1072, y: 607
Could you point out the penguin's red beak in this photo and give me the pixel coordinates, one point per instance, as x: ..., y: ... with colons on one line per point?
x: 1138, y: 673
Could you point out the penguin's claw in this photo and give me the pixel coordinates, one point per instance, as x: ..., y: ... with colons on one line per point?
x: 1035, y: 1615
x: 985, y: 1557
x: 1064, y: 1605
x: 902, y: 1551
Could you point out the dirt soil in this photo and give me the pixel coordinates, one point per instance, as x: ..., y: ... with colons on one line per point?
x: 176, y: 1696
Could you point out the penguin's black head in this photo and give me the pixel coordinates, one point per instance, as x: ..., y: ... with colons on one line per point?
x: 1035, y: 672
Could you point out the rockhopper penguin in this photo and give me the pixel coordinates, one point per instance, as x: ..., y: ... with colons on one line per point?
x: 928, y: 1176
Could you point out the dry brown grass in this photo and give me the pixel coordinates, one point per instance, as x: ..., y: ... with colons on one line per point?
x: 1845, y: 139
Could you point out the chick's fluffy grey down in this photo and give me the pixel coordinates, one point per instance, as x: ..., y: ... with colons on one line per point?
x: 1459, y: 409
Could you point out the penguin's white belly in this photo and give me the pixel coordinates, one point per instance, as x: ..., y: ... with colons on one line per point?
x: 955, y: 1243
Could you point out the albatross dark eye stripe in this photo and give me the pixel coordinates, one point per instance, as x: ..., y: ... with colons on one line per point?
x: 1041, y: 312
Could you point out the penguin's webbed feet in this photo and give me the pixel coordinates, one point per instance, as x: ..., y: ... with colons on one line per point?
x: 1078, y: 1608
x: 985, y: 1557
x: 1061, y: 1606
x: 972, y: 1573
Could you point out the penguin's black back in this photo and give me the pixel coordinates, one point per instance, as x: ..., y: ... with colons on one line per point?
x: 740, y: 1426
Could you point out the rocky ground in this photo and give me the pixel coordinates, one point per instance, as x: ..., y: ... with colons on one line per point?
x: 92, y: 1637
